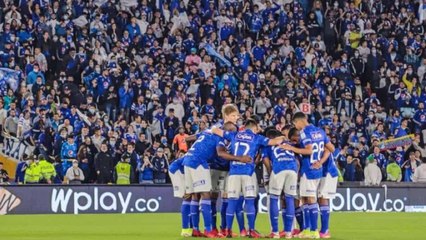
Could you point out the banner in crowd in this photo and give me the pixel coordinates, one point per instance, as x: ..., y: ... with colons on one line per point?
x: 212, y: 52
x: 396, y: 142
x: 9, y: 77
x: 149, y: 199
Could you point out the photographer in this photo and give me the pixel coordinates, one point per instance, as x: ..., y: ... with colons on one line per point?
x: 4, y: 177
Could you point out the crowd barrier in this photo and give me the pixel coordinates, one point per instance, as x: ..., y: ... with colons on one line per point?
x: 80, y: 199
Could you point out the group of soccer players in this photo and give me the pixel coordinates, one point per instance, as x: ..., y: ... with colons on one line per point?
x: 222, y: 161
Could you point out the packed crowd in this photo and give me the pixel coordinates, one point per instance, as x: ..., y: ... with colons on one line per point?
x: 109, y: 88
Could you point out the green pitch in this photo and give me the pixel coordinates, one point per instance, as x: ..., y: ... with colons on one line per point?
x: 167, y: 226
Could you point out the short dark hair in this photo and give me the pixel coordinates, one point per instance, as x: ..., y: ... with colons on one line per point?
x: 250, y: 123
x: 298, y: 116
x: 229, y: 126
x: 1, y: 163
x: 273, y: 133
x: 292, y: 132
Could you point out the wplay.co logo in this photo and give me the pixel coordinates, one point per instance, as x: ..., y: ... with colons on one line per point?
x: 8, y: 201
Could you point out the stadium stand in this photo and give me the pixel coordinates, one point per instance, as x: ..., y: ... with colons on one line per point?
x: 125, y: 81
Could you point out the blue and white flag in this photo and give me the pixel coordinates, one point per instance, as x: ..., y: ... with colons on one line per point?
x: 9, y: 77
x: 212, y: 52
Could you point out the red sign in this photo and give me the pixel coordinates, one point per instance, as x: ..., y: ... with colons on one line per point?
x: 305, y: 108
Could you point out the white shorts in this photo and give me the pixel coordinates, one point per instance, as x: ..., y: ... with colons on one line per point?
x: 219, y: 179
x: 178, y: 182
x: 197, y: 180
x: 247, y: 185
x: 266, y: 179
x: 308, y: 187
x: 284, y: 180
x: 327, y: 187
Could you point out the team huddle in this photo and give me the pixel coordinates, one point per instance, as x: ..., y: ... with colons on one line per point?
x: 299, y: 175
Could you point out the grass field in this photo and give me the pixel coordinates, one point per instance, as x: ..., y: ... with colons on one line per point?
x: 344, y: 226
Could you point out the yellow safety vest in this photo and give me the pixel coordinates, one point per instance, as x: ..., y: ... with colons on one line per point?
x: 123, y: 173
x: 33, y: 173
x: 47, y: 170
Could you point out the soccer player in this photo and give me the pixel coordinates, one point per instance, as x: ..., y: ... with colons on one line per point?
x: 198, y: 178
x: 282, y: 166
x: 176, y: 173
x: 313, y: 142
x: 327, y: 190
x: 242, y: 175
x: 219, y: 169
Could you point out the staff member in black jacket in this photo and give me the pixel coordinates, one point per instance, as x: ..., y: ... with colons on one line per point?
x: 104, y: 165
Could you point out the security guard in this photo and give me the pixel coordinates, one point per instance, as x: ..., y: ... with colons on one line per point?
x: 48, y: 172
x: 33, y: 171
x: 123, y: 171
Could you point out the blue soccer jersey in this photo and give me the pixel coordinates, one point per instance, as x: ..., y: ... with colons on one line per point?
x: 244, y: 143
x: 219, y: 163
x: 281, y: 159
x: 176, y: 165
x: 329, y: 166
x: 202, y: 151
x: 316, y: 137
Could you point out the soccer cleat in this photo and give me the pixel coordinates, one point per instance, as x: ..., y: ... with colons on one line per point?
x: 315, y: 235
x: 215, y: 231
x: 274, y: 235
x: 295, y: 232
x: 243, y: 233
x: 325, y: 235
x: 197, y: 233
x: 286, y: 235
x: 186, y: 232
x: 211, y: 234
x: 305, y: 234
x: 228, y: 233
x: 254, y: 234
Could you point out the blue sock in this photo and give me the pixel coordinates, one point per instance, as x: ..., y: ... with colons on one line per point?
x: 306, y: 217
x: 325, y: 218
x: 289, y: 213
x: 185, y: 210
x: 274, y: 212
x: 240, y: 213
x: 230, y: 211
x: 195, y: 215
x: 223, y: 213
x: 214, y: 214
x: 206, y: 209
x: 313, y: 209
x: 299, y: 218
x: 251, y: 212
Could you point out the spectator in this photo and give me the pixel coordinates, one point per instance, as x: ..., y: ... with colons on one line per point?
x: 74, y: 174
x: 420, y: 172
x: 160, y: 166
x: 373, y: 174
x: 409, y: 167
x: 4, y: 176
x: 68, y: 153
x: 104, y: 165
x: 146, y: 169
x: 134, y: 160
